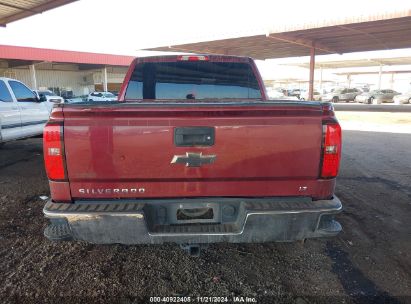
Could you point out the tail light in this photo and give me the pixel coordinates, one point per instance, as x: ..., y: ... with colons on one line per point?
x: 331, y: 149
x: 53, y: 150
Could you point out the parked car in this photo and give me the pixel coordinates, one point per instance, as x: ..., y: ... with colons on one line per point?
x: 51, y: 98
x: 279, y: 95
x: 342, y: 94
x: 290, y: 98
x: 316, y: 95
x: 67, y: 94
x: 22, y: 112
x: 294, y: 92
x: 376, y: 96
x: 402, y: 98
x: 101, y: 96
x: 76, y: 99
x: 196, y: 155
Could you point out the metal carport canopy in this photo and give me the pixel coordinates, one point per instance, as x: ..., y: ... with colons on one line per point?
x: 383, y: 31
x: 13, y: 10
x: 351, y: 63
x: 368, y: 62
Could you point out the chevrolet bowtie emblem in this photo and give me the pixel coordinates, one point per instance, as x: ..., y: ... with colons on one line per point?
x: 193, y: 159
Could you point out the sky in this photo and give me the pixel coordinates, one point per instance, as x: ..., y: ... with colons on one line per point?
x: 125, y: 26
x: 128, y: 26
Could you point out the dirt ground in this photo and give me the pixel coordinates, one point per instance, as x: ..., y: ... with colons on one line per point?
x: 397, y: 122
x: 369, y: 262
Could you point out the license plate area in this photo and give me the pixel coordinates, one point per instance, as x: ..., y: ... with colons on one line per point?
x: 188, y: 214
x: 174, y: 214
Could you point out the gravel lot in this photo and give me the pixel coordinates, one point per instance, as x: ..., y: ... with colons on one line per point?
x: 369, y: 262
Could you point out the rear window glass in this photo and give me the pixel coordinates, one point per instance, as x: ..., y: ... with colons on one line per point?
x: 193, y: 80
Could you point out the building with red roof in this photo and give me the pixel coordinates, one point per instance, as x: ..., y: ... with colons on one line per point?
x: 65, y: 72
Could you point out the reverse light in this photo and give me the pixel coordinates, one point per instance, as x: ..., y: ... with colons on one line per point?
x: 331, y: 153
x: 192, y: 58
x: 53, y: 151
x: 331, y: 149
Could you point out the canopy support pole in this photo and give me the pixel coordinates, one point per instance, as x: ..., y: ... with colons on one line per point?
x: 321, y: 79
x: 312, y: 67
x: 104, y: 71
x: 379, y: 77
x: 33, y: 76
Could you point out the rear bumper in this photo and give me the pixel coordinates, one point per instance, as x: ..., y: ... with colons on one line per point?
x: 235, y: 220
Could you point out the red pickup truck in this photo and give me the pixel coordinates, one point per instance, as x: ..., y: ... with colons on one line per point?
x: 193, y: 152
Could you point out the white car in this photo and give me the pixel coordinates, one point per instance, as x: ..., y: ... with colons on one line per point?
x: 274, y: 94
x: 51, y: 98
x: 402, y: 98
x: 341, y: 94
x: 22, y: 112
x: 316, y: 95
x: 376, y: 96
x: 101, y: 96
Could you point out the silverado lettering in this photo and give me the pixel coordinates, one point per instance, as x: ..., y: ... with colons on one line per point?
x: 108, y: 191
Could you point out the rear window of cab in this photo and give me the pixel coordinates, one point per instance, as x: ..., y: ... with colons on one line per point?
x: 192, y: 80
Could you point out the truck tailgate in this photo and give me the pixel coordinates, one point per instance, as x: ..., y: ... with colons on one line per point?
x: 126, y: 151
